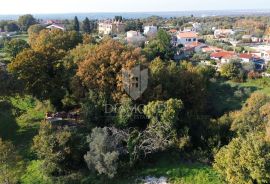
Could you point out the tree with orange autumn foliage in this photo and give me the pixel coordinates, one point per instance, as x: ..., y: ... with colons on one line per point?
x: 101, y: 70
x: 59, y: 39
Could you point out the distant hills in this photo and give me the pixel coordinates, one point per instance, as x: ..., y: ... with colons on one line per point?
x: 100, y: 15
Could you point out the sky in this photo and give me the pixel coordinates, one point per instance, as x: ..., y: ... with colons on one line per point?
x: 88, y: 6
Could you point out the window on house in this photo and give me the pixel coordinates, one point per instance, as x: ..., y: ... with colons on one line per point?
x: 135, y: 82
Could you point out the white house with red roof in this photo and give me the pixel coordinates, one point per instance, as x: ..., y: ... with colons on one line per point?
x: 197, y: 46
x: 186, y: 37
x: 56, y: 26
x: 245, y: 57
x: 211, y: 49
x: 223, y: 56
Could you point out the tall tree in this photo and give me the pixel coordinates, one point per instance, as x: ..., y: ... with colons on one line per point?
x: 56, y: 148
x: 245, y: 160
x: 15, y: 46
x: 8, y: 163
x: 86, y: 27
x: 56, y: 38
x: 76, y: 24
x: 36, y: 68
x: 160, y: 47
x: 11, y: 26
x: 102, y: 69
x: 25, y: 21
x: 106, y: 146
x: 118, y: 18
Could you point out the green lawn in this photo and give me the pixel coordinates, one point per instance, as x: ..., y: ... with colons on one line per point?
x: 19, y: 121
x: 260, y: 85
x: 21, y: 36
x: 226, y: 96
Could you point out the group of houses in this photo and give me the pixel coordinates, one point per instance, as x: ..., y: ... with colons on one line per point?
x: 138, y: 38
x: 134, y: 37
x: 187, y: 41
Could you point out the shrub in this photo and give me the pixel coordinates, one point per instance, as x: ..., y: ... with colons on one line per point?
x: 105, y: 147
x: 253, y: 75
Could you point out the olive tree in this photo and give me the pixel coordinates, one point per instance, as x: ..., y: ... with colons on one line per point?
x: 105, y: 149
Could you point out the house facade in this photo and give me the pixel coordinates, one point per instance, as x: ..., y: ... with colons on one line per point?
x: 197, y: 46
x: 223, y: 33
x: 246, y: 57
x: 111, y: 27
x: 135, y: 38
x: 223, y: 56
x: 150, y: 30
x: 186, y: 37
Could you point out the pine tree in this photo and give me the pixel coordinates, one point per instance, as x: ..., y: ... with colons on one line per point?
x: 86, y: 27
x: 76, y: 24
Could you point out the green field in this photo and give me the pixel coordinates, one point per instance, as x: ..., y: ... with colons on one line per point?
x: 259, y: 85
x: 21, y: 36
x: 226, y: 96
x: 19, y: 121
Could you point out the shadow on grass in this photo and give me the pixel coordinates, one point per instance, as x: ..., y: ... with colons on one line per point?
x: 19, y: 122
x: 224, y: 97
x: 172, y: 166
x: 8, y: 124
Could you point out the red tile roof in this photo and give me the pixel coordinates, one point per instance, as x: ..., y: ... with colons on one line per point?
x: 223, y: 54
x: 187, y: 35
x: 173, y: 30
x: 192, y: 44
x: 246, y: 56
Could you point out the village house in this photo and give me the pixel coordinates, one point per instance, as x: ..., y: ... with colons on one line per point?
x: 262, y: 51
x: 251, y: 39
x: 49, y: 22
x: 193, y: 26
x: 223, y: 33
x: 184, y: 52
x: 255, y: 39
x: 135, y: 38
x: 150, y: 31
x: 211, y: 49
x: 223, y: 56
x: 246, y: 57
x: 109, y: 27
x: 265, y: 54
x: 197, y: 46
x: 55, y: 26
x: 173, y: 31
x: 246, y: 38
x: 186, y: 37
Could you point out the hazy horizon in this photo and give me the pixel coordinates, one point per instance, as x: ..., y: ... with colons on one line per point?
x: 17, y: 7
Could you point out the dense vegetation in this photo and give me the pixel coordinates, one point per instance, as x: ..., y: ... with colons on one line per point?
x: 190, y: 117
